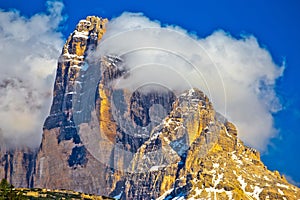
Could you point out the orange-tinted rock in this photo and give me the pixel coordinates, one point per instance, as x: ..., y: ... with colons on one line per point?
x: 105, y: 142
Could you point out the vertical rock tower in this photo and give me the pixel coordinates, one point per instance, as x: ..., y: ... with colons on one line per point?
x: 63, y: 161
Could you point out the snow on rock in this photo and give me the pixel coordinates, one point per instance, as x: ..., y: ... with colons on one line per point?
x: 235, y: 158
x: 228, y: 133
x: 72, y: 56
x: 256, y: 192
x: 216, y: 165
x: 280, y: 191
x: 191, y: 91
x: 242, y: 182
x: 155, y: 135
x: 156, y: 168
x: 283, y: 186
x: 83, y: 34
x: 165, y: 194
x: 220, y: 176
x: 118, y: 196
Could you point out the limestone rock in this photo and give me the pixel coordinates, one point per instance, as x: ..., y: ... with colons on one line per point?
x: 17, y: 165
x: 143, y: 144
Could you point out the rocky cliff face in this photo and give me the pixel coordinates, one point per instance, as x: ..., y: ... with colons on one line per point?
x: 145, y: 144
x: 63, y: 161
x: 17, y: 165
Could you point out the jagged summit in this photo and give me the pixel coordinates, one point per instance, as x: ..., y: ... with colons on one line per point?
x: 142, y: 144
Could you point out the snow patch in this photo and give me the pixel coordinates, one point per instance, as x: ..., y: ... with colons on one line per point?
x: 235, y: 158
x: 179, y: 198
x: 118, y: 196
x: 242, y: 182
x: 156, y: 167
x: 72, y: 56
x: 155, y: 135
x: 72, y: 92
x: 248, y: 159
x: 191, y: 91
x: 78, y: 34
x: 216, y: 165
x: 227, y: 133
x: 229, y: 194
x: 256, y: 192
x: 75, y: 66
x: 165, y: 194
x: 220, y: 176
x: 280, y: 191
x: 281, y: 185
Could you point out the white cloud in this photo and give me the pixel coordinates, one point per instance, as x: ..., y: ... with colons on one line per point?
x: 29, y: 49
x: 249, y: 75
x: 237, y: 74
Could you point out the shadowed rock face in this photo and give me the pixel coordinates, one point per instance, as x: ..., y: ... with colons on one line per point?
x: 140, y: 104
x: 142, y: 144
x: 17, y: 165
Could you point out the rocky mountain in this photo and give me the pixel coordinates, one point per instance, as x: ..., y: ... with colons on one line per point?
x: 151, y: 143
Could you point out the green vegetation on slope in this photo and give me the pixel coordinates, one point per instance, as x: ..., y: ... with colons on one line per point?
x: 7, y: 192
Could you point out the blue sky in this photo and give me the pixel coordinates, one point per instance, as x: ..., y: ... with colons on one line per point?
x: 275, y: 24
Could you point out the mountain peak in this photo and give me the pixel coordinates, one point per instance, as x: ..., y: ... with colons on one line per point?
x: 150, y: 143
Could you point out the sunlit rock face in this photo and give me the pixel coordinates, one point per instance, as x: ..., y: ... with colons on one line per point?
x: 150, y: 143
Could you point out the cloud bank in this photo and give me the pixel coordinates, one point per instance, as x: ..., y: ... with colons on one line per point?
x: 238, y: 75
x: 29, y: 49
